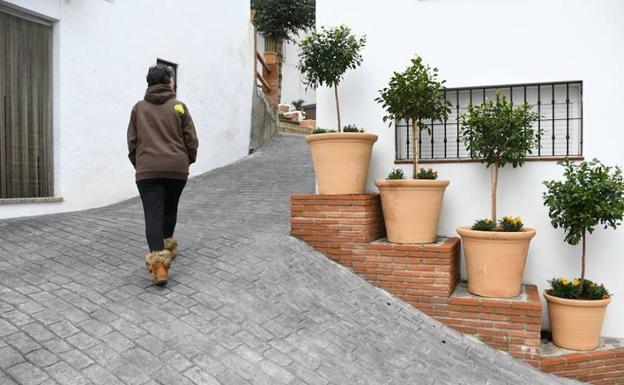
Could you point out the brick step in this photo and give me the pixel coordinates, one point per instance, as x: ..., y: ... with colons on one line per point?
x: 509, y: 324
x: 294, y: 128
x: 603, y: 366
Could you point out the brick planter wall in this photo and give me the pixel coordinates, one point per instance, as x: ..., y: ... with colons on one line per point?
x: 349, y: 229
x: 512, y: 325
x: 603, y: 367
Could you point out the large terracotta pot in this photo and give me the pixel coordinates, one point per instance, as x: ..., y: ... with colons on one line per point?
x: 341, y: 161
x: 411, y: 208
x: 576, y: 324
x: 495, y: 260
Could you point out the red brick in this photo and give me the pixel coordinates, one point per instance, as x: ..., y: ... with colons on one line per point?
x: 496, y: 304
x: 601, y: 354
x: 553, y: 361
x: 492, y: 332
x: 525, y: 320
x: 466, y: 330
x: 508, y: 326
x: 494, y: 317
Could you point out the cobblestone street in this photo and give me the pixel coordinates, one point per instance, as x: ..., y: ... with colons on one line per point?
x: 245, y: 304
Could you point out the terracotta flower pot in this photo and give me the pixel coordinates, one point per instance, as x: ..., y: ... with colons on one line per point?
x: 495, y: 260
x: 411, y: 208
x: 576, y: 324
x: 341, y: 161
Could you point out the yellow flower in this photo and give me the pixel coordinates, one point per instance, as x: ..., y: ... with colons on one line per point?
x: 592, y: 285
x: 179, y: 108
x: 576, y: 282
x: 565, y: 282
x: 518, y: 219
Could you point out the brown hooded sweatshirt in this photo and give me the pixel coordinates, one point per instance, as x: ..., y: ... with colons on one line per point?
x: 162, y: 141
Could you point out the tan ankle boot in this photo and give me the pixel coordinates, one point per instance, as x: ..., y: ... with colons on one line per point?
x: 172, y: 245
x: 158, y: 263
x: 161, y: 275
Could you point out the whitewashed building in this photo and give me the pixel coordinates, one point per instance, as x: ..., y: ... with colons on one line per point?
x: 568, y: 54
x: 293, y: 87
x: 71, y: 70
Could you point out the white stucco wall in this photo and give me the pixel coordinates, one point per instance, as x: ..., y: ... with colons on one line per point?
x: 102, y: 51
x: 488, y: 42
x: 293, y: 88
x: 292, y: 81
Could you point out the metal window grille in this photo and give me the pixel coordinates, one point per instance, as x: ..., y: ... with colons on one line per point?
x: 560, y: 105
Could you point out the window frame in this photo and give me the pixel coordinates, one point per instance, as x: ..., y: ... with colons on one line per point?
x: 45, y: 171
x: 511, y: 88
x: 173, y: 66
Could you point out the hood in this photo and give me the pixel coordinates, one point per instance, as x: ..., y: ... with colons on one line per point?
x: 159, y: 93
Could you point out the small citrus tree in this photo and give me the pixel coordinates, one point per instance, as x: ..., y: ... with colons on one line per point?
x: 326, y: 55
x: 591, y: 194
x: 415, y: 95
x: 496, y: 133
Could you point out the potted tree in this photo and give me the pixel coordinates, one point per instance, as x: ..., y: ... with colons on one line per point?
x: 411, y: 207
x: 341, y: 159
x: 497, y: 133
x: 591, y: 194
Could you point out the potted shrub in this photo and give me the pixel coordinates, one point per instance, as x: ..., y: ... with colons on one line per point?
x: 298, y: 104
x: 497, y: 134
x: 340, y: 159
x: 411, y: 207
x: 590, y: 195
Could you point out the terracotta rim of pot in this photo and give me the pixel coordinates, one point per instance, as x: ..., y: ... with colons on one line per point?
x: 526, y: 233
x: 577, y: 302
x: 357, y: 136
x: 438, y: 183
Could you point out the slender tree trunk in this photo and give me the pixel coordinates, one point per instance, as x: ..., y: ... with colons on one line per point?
x: 416, y: 144
x: 582, y: 266
x: 337, y: 105
x: 494, y: 186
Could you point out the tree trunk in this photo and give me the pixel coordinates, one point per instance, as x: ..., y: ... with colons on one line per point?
x: 582, y: 267
x: 337, y: 106
x: 494, y: 186
x: 416, y: 144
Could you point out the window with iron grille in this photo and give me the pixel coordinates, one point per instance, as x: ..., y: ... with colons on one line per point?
x: 559, y: 104
x: 25, y: 106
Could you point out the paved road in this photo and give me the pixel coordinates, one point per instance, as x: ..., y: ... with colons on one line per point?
x: 246, y: 303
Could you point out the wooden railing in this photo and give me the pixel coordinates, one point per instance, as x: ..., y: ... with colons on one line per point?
x: 258, y: 75
x: 258, y: 57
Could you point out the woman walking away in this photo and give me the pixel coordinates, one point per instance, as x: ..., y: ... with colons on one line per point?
x: 162, y: 143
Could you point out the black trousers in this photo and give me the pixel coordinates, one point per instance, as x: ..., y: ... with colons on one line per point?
x: 160, y: 199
